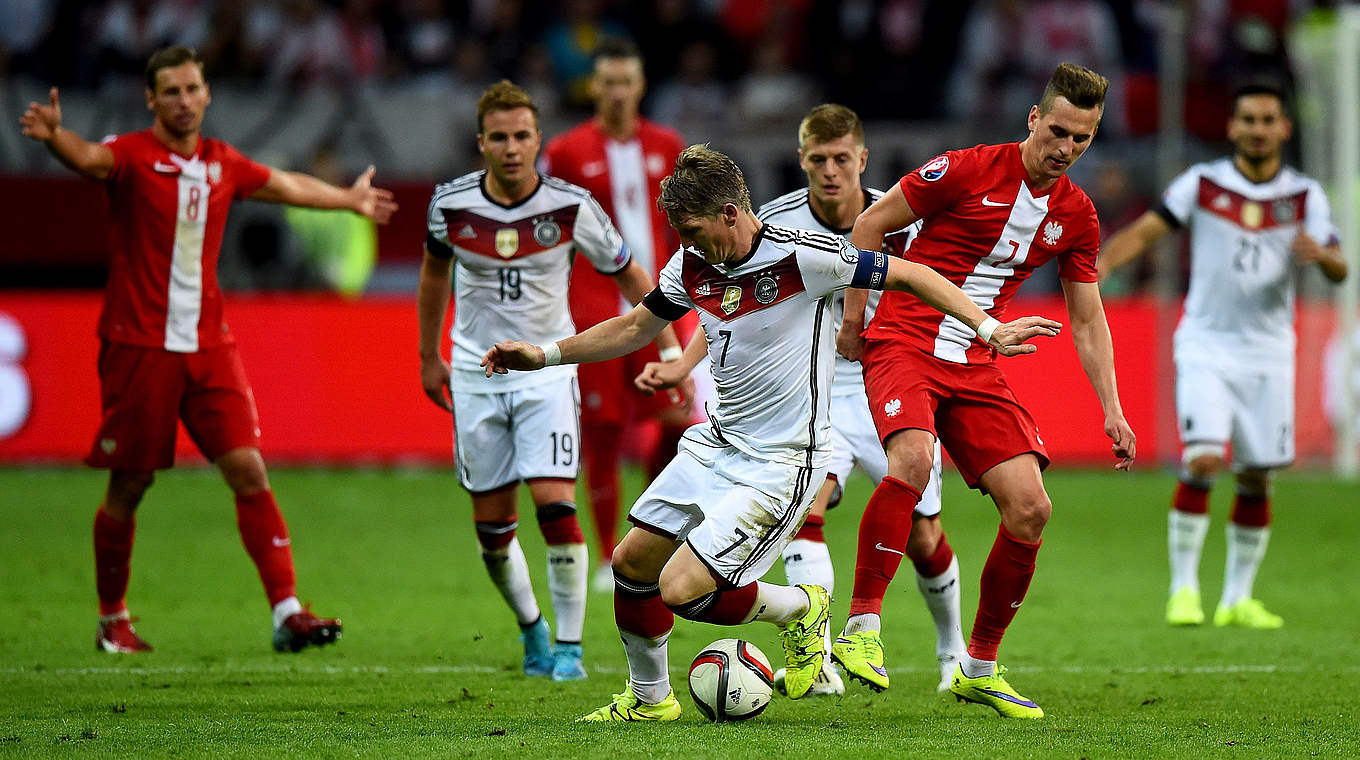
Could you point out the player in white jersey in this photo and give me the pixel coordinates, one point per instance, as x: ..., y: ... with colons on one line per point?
x: 1254, y: 224
x: 509, y: 235
x: 831, y: 152
x: 717, y: 517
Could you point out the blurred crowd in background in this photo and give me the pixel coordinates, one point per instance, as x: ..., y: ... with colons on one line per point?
x: 715, y: 68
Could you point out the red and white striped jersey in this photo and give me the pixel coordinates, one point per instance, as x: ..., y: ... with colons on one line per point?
x: 165, y: 234
x: 1240, y: 308
x: 511, y: 265
x: 985, y: 230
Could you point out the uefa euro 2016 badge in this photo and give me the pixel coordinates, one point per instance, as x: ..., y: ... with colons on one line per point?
x: 935, y: 168
x: 767, y: 289
x: 507, y: 242
x: 1253, y: 214
x: 546, y: 232
x: 731, y: 299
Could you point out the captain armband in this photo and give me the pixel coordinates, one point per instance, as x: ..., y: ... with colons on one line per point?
x: 872, y: 270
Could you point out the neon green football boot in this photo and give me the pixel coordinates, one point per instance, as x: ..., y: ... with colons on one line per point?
x: 627, y: 708
x: 803, y: 639
x: 994, y: 692
x: 1184, y: 608
x: 1248, y: 613
x: 860, y: 654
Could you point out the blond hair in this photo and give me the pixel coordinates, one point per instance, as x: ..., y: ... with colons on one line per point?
x: 1081, y: 87
x: 827, y: 122
x: 703, y: 181
x: 504, y: 96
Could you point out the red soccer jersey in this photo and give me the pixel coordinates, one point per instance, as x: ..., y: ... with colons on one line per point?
x: 168, y: 213
x: 626, y: 180
x: 985, y: 230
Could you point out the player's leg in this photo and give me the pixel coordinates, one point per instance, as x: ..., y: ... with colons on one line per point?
x: 114, y: 528
x: 1263, y: 423
x: 140, y: 390
x: 603, y: 401
x: 806, y: 558
x: 1202, y: 414
x: 937, y: 574
x: 547, y: 449
x: 645, y: 625
x: 807, y: 562
x: 568, y: 568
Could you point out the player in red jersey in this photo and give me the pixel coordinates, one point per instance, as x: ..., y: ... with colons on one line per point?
x: 993, y: 214
x: 620, y: 158
x: 165, y: 353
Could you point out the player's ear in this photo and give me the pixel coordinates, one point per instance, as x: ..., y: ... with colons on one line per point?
x: 730, y: 214
x: 1034, y: 117
x: 150, y: 99
x: 863, y: 158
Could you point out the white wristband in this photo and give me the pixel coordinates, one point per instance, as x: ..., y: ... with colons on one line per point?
x: 552, y: 355
x: 986, y: 329
x: 671, y: 353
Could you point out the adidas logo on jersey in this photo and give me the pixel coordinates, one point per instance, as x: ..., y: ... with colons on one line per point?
x: 467, y: 232
x: 703, y: 290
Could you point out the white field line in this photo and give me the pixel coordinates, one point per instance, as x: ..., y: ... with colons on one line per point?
x: 229, y: 670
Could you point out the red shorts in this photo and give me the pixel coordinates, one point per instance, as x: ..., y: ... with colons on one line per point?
x: 146, y: 391
x: 969, y: 407
x: 608, y: 395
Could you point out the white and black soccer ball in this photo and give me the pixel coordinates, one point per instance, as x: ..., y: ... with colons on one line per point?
x: 731, y: 680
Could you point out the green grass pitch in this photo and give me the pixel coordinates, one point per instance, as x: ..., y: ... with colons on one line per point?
x: 428, y: 666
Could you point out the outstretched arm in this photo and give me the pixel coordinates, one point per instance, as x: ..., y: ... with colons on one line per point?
x: 42, y: 122
x: 607, y: 340
x: 887, y: 214
x: 635, y: 284
x: 1008, y: 339
x: 1091, y: 334
x: 297, y: 189
x: 1130, y: 243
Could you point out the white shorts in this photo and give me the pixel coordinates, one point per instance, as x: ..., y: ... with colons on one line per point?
x: 736, y: 512
x: 854, y: 441
x: 504, y: 438
x: 1253, y: 410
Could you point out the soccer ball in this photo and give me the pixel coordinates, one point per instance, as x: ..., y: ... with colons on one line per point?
x: 731, y: 680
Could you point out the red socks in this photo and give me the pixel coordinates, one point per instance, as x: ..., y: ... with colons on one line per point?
x: 638, y: 608
x: 601, y: 453
x: 112, y: 561
x: 938, y: 562
x: 1251, y: 510
x: 1190, y: 498
x: 559, y: 525
x: 265, y: 536
x: 883, y: 533
x: 1005, y: 579
x: 811, y: 530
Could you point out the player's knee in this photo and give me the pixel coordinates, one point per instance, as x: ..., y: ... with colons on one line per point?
x: 125, y: 492
x: 1026, y: 518
x: 495, y: 535
x: 1254, y: 482
x: 911, y: 459
x: 244, y: 471
x: 1203, y: 462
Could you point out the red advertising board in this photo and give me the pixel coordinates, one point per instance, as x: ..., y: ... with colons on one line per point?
x: 338, y: 381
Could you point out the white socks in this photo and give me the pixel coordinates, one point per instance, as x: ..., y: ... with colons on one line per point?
x: 568, y: 574
x: 942, y: 599
x: 866, y: 621
x: 284, y: 609
x: 780, y: 605
x: 510, y: 572
x: 975, y: 668
x: 647, y: 667
x: 1246, y: 548
x: 1185, y: 533
x: 809, y: 562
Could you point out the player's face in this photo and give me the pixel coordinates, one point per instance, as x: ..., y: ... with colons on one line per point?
x: 1258, y: 127
x: 1058, y: 138
x: 714, y: 237
x: 180, y: 98
x: 833, y: 168
x: 617, y: 87
x: 509, y: 143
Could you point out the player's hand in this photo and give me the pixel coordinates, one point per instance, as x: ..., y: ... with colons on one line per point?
x: 41, y: 122
x: 849, y: 342
x: 1306, y: 250
x: 660, y: 376
x: 434, y: 378
x: 373, y: 202
x: 513, y: 354
x: 1009, y: 339
x: 1124, y: 442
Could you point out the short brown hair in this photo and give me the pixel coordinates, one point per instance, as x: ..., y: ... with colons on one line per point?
x: 169, y: 58
x: 504, y: 96
x: 827, y: 122
x: 1081, y: 86
x: 703, y: 181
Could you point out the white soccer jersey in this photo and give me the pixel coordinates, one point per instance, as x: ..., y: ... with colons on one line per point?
x: 511, y: 266
x: 771, y: 342
x: 1240, y: 308
x: 794, y: 210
